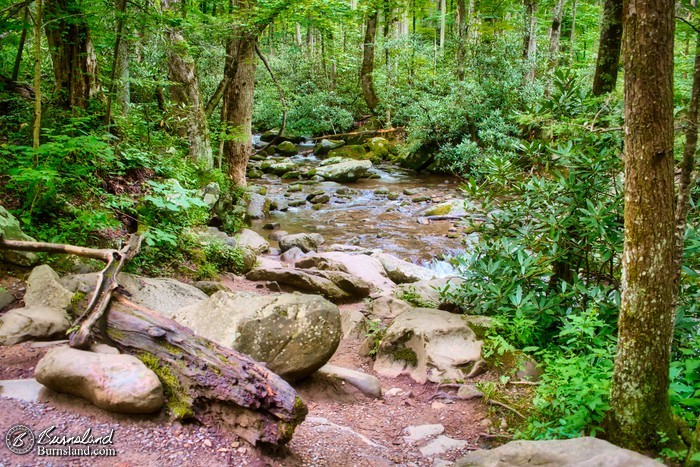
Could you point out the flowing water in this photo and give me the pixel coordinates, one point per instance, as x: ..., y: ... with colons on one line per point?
x: 366, y: 216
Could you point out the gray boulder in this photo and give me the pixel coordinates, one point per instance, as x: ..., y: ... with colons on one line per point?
x: 345, y: 171
x: 353, y: 324
x: 252, y: 240
x: 319, y: 262
x: 294, y: 334
x: 387, y: 307
x: 158, y: 294
x: 258, y: 206
x: 428, y: 345
x: 6, y: 298
x: 403, y: 272
x: 38, y: 322
x: 44, y: 289
x: 10, y: 230
x: 368, y: 384
x: 334, y: 285
x: 306, y: 242
x: 211, y: 193
x: 365, y: 267
x: 326, y: 145
x: 578, y: 452
x: 426, y: 293
x: 287, y: 148
x: 113, y: 382
x: 292, y: 255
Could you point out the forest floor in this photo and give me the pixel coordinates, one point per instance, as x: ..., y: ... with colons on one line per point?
x: 343, y: 427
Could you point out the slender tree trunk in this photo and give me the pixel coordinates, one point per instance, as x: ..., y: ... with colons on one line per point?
x: 38, y: 24
x: 572, y: 37
x: 120, y: 7
x: 640, y: 408
x: 687, y: 167
x: 185, y: 93
x: 72, y: 53
x: 20, y: 48
x: 298, y: 34
x: 238, y: 104
x: 463, y: 30
x: 530, y: 39
x: 555, y: 33
x: 608, y: 61
x: 367, y: 69
x: 443, y: 15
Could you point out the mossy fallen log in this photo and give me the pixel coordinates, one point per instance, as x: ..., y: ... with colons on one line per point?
x: 205, y: 381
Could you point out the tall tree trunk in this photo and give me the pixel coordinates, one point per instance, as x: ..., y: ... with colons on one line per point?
x: 367, y: 69
x: 463, y: 30
x: 185, y: 93
x: 572, y: 37
x: 608, y: 48
x: 38, y: 24
x: 639, y: 403
x: 20, y: 48
x: 120, y: 7
x: 555, y: 33
x: 298, y: 34
x: 530, y: 39
x: 687, y: 167
x: 443, y: 15
x: 72, y: 53
x: 238, y: 104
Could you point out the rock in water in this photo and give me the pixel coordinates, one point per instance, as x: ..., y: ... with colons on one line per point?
x: 113, y: 382
x: 428, y: 345
x: 22, y: 324
x: 326, y: 145
x: 287, y: 148
x: 401, y: 271
x: 10, y: 230
x: 294, y: 334
x: 345, y: 171
x: 579, y: 452
x: 305, y: 241
x: 251, y: 239
x: 258, y: 206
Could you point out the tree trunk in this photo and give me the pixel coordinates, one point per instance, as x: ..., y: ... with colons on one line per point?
x: 122, y: 87
x: 463, y: 30
x: 20, y: 48
x: 640, y: 408
x: 120, y: 9
x: 608, y: 60
x: 443, y: 15
x: 238, y: 104
x: 72, y: 53
x: 572, y: 37
x: 530, y: 39
x: 38, y: 24
x: 555, y: 33
x: 687, y: 167
x: 367, y: 69
x: 185, y: 93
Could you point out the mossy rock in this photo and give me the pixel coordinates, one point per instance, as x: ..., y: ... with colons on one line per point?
x: 287, y: 148
x: 255, y: 174
x: 326, y: 145
x: 353, y: 151
x: 270, y: 135
x: 379, y: 147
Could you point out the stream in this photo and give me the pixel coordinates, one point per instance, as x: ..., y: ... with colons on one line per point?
x: 380, y: 212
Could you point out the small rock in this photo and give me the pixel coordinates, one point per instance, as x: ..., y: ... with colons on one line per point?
x: 207, y: 443
x: 368, y: 384
x: 277, y: 234
x: 469, y: 391
x: 292, y: 255
x: 441, y: 445
x: 271, y: 226
x: 421, y: 199
x: 437, y: 405
x: 37, y: 322
x: 409, y: 191
x: 416, y: 433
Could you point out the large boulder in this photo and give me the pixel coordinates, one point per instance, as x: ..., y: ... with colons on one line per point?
x: 427, y: 293
x: 287, y: 148
x: 158, y: 294
x: 293, y: 334
x: 258, y: 206
x: 387, y: 307
x: 306, y: 242
x: 44, y: 289
x: 334, y: 285
x: 352, y: 151
x: 319, y: 262
x: 250, y: 239
x: 113, y: 382
x: 10, y: 230
x: 578, y: 452
x: 346, y: 171
x: 322, y: 148
x: 38, y: 322
x: 379, y: 147
x: 428, y: 345
x: 365, y: 267
x: 403, y: 272
x: 272, y: 134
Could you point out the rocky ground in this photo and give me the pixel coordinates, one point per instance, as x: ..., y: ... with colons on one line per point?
x: 343, y: 426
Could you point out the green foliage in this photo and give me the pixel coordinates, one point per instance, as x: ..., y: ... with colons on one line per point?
x: 375, y: 331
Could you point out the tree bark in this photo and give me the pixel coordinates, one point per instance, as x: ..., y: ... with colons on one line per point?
x: 238, y: 104
x: 20, y: 48
x: 530, y: 39
x: 555, y: 33
x: 120, y: 7
x: 185, y: 93
x: 640, y: 408
x: 608, y: 60
x: 72, y: 53
x: 687, y: 167
x: 367, y: 70
x: 38, y: 24
x: 572, y: 37
x: 463, y: 30
x: 443, y: 15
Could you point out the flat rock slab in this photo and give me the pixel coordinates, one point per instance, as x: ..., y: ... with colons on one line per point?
x: 415, y: 433
x: 441, y: 445
x: 37, y: 322
x: 116, y: 383
x: 365, y: 267
x: 403, y: 272
x: 368, y: 384
x: 579, y: 452
x: 28, y: 390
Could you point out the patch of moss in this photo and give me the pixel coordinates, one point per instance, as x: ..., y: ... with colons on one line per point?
x: 405, y: 354
x: 439, y: 210
x: 178, y: 403
x: 74, y: 308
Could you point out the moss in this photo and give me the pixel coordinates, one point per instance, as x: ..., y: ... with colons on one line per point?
x: 74, y: 308
x: 405, y: 354
x: 178, y: 403
x: 439, y: 210
x: 115, y: 335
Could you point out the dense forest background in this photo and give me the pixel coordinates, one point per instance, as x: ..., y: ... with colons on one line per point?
x: 114, y: 114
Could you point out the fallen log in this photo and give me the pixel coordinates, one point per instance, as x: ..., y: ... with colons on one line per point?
x: 361, y: 134
x: 205, y: 381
